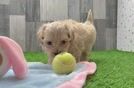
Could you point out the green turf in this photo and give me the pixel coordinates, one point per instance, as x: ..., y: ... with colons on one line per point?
x: 115, y: 69
x: 36, y: 57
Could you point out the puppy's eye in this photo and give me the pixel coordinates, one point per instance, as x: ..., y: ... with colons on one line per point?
x: 49, y: 43
x: 63, y: 42
x: 42, y: 37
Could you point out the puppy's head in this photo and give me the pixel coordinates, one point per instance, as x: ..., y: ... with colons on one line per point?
x: 55, y: 37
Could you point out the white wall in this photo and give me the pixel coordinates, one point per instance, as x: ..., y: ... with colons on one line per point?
x: 125, y: 25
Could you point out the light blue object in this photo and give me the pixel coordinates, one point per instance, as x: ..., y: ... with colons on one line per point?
x: 39, y: 76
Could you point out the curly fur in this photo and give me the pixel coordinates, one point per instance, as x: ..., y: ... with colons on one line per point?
x: 68, y: 36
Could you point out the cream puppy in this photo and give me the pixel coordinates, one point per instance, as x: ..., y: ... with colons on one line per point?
x: 68, y: 36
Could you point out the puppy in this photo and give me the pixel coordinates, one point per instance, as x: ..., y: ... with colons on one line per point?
x: 68, y: 36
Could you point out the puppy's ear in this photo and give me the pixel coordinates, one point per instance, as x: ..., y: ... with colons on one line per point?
x: 41, y: 32
x: 70, y: 32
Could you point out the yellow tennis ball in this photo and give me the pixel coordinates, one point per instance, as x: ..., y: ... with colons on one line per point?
x: 63, y: 63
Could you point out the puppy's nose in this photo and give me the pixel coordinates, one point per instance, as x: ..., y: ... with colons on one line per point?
x: 57, y: 53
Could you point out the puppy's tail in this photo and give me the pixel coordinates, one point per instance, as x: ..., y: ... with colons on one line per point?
x: 89, y: 17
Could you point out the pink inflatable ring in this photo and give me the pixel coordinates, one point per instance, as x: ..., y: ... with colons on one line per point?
x: 11, y: 55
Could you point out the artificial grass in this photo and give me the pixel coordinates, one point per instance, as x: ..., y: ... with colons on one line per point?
x: 115, y: 69
x: 36, y: 57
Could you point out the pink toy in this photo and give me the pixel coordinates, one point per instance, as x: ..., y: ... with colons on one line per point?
x: 11, y: 54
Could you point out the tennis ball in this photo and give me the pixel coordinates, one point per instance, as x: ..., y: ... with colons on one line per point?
x: 63, y: 63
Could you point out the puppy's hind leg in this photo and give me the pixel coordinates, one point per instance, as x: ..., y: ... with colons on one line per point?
x: 84, y: 56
